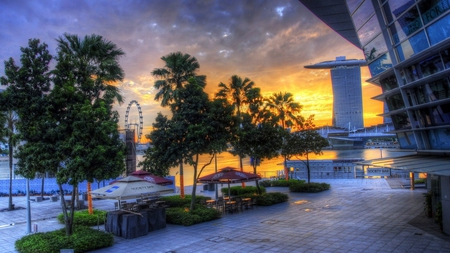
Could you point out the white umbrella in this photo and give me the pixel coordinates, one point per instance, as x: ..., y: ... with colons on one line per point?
x: 130, y: 188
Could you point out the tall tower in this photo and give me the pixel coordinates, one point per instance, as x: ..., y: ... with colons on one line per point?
x: 347, y: 91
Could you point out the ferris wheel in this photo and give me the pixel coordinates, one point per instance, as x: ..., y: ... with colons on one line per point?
x: 139, y: 126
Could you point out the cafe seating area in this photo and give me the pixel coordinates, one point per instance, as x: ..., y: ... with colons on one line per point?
x: 230, y: 204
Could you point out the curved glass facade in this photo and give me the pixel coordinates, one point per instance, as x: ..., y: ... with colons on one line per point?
x: 439, y: 30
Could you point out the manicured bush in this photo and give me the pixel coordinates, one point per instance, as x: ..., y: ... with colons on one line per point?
x: 83, y: 218
x: 309, y: 187
x: 176, y: 201
x: 182, y: 215
x: 83, y: 239
x: 280, y: 182
x: 420, y: 181
x: 239, y: 191
x: 271, y: 198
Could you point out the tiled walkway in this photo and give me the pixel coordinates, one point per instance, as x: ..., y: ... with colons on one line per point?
x: 355, y: 215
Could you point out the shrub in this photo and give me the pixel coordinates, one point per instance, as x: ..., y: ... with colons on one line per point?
x: 176, y: 201
x: 83, y: 239
x: 420, y: 181
x: 238, y: 190
x: 271, y: 198
x: 182, y: 216
x: 280, y: 183
x: 309, y: 187
x: 83, y: 218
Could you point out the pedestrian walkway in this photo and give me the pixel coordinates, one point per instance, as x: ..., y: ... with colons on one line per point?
x: 355, y: 215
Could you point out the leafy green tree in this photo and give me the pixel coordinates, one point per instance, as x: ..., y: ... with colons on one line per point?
x: 303, y: 143
x: 175, y: 74
x: 25, y: 95
x: 86, y: 125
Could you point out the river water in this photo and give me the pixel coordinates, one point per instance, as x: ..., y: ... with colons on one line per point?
x: 269, y: 168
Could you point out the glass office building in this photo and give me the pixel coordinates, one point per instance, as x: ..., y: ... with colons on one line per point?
x: 406, y: 44
x: 347, y: 91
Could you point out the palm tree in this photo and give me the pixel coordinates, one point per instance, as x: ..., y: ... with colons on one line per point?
x: 97, y: 62
x: 174, y: 75
x: 240, y: 93
x: 237, y: 91
x: 286, y: 109
x: 96, y: 70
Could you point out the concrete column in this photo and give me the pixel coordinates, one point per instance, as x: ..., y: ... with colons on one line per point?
x: 411, y: 178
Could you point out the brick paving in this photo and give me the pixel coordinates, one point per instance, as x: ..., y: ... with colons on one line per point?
x: 355, y: 215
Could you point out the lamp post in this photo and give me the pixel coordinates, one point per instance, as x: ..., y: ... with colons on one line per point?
x: 28, y: 207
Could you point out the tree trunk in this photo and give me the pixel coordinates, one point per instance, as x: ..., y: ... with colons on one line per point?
x: 286, y: 171
x: 194, y: 187
x: 307, y: 167
x: 10, y: 203
x: 257, y: 182
x: 68, y: 212
x: 181, y: 180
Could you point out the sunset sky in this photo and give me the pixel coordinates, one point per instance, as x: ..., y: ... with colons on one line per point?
x: 266, y: 41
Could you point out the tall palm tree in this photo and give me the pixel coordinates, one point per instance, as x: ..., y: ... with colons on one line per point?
x: 286, y: 111
x: 96, y: 70
x: 237, y: 91
x: 240, y: 93
x: 97, y: 64
x: 285, y: 108
x: 174, y: 75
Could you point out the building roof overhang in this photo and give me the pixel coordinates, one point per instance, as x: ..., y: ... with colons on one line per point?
x: 335, y: 14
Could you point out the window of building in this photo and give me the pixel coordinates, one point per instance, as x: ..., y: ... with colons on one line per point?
x: 394, y: 8
x: 353, y: 4
x: 389, y: 83
x: 401, y: 121
x: 439, y: 31
x: 412, y: 46
x: 431, y: 9
x: 375, y: 48
x: 423, y: 117
x: 407, y: 140
x: 406, y: 25
x: 412, y: 73
x: 431, y: 65
x: 446, y: 58
x: 369, y: 31
x: 441, y: 114
x: 438, y: 90
x: 363, y: 13
x: 381, y: 64
x: 440, y: 138
x: 395, y: 102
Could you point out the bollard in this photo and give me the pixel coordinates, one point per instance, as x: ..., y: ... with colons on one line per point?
x: 35, y: 227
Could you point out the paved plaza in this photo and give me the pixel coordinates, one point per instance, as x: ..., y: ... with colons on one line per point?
x: 355, y: 215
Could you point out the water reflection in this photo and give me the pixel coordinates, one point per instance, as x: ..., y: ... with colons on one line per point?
x: 269, y: 168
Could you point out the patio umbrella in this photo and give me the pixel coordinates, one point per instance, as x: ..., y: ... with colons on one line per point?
x: 147, y: 176
x: 228, y: 175
x: 130, y: 187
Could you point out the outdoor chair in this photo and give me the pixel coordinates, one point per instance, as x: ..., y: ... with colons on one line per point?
x: 239, y: 205
x: 219, y: 205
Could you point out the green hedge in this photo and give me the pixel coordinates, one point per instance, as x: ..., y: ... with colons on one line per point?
x: 271, y: 198
x: 182, y: 215
x: 83, y: 239
x: 280, y: 182
x: 176, y: 201
x: 83, y: 218
x: 309, y: 187
x: 238, y: 190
